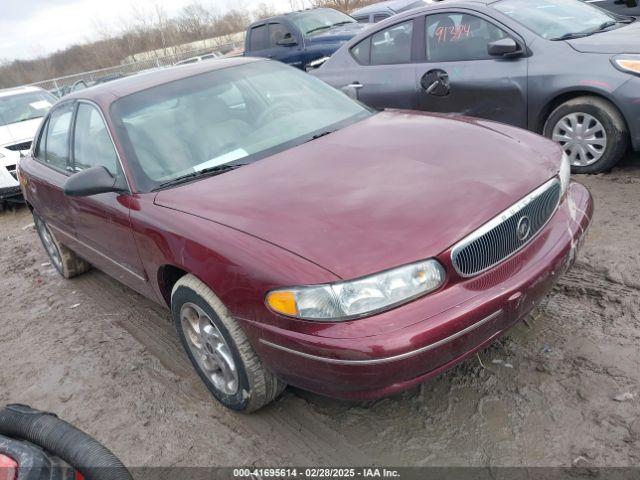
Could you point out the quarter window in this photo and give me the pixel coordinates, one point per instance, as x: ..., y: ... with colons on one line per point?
x: 92, y: 144
x: 453, y: 37
x: 392, y: 45
x: 57, y: 141
x: 258, y: 38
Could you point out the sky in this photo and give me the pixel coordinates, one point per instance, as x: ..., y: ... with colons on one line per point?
x: 31, y: 28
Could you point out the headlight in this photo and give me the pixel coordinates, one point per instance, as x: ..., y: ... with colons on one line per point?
x: 627, y: 63
x: 357, y: 298
x: 564, y: 174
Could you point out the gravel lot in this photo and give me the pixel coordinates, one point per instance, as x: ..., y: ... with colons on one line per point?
x: 563, y: 390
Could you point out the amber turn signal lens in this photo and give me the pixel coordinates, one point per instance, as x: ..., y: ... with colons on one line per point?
x: 283, y: 302
x: 627, y: 64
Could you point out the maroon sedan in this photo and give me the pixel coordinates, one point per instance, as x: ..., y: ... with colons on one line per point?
x: 297, y: 236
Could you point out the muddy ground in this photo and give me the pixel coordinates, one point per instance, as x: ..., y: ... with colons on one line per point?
x: 547, y: 394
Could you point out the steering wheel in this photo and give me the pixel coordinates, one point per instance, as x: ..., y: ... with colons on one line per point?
x: 274, y: 111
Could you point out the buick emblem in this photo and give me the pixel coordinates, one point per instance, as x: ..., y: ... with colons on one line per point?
x: 524, y: 228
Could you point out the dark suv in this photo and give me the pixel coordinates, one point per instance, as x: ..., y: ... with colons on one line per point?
x: 300, y: 38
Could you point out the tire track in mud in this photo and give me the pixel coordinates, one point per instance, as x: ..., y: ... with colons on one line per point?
x: 288, y: 424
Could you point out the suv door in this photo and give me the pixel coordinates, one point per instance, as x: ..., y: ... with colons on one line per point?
x: 460, y: 76
x: 385, y: 76
x: 290, y: 53
x: 102, y: 223
x: 51, y: 168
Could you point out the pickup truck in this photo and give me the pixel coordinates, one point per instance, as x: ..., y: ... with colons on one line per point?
x: 300, y: 38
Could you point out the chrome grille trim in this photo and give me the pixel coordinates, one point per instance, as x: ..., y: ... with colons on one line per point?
x: 497, y: 239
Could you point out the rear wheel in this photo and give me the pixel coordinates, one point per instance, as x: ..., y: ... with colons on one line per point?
x: 219, y: 349
x: 65, y: 261
x: 591, y: 131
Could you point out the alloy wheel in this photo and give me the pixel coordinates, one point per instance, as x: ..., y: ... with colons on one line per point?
x: 209, y: 348
x: 582, y: 137
x: 49, y: 244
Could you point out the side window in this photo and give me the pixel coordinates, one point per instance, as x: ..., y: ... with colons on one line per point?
x: 92, y: 144
x: 258, y: 38
x: 454, y: 37
x: 38, y: 150
x: 362, y: 51
x: 56, y: 152
x: 362, y: 18
x: 392, y: 45
x: 277, y: 32
x: 378, y: 17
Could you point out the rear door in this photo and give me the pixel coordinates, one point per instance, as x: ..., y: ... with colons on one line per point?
x: 102, y: 223
x: 385, y: 76
x: 51, y: 168
x: 459, y: 76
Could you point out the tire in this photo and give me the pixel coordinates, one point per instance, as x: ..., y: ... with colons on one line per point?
x: 220, y: 351
x: 64, y: 260
x: 587, y: 112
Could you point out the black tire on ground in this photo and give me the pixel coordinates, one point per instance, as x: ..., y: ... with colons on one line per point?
x: 257, y: 385
x: 67, y: 263
x: 610, y: 118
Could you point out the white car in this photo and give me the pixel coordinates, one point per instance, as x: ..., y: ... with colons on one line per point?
x: 21, y: 111
x: 9, y: 186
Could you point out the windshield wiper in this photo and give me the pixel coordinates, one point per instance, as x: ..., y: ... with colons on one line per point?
x: 205, y: 172
x: 320, y: 135
x: 346, y: 22
x: 317, y: 29
x: 600, y: 28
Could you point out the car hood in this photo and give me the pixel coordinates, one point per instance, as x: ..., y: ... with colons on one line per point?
x: 19, y: 132
x: 620, y: 40
x: 389, y: 190
x: 341, y: 33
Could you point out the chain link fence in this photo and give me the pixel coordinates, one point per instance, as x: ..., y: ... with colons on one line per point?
x: 63, y: 85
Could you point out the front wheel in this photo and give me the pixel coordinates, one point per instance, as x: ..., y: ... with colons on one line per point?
x: 219, y: 349
x: 591, y: 131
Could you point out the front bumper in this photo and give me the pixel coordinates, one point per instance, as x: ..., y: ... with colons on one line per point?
x: 10, y: 194
x: 473, y: 312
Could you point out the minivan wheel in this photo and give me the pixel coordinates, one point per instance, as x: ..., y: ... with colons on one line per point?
x: 219, y: 349
x: 591, y: 131
x: 65, y: 260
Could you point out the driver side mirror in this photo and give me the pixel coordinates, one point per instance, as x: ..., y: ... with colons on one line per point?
x: 506, y: 47
x: 287, y: 41
x: 91, y: 181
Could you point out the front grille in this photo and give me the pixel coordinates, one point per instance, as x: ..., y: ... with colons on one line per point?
x: 507, y: 233
x: 12, y: 171
x: 19, y: 146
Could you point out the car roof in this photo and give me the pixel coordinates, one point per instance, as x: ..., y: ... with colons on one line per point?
x: 389, y: 5
x: 106, y: 93
x: 7, y: 92
x: 287, y: 15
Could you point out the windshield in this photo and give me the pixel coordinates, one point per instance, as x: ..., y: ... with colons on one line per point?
x: 237, y: 114
x: 24, y: 106
x: 553, y: 19
x: 320, y: 19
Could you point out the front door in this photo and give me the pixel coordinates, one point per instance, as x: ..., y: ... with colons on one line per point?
x: 102, y: 223
x: 459, y: 76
